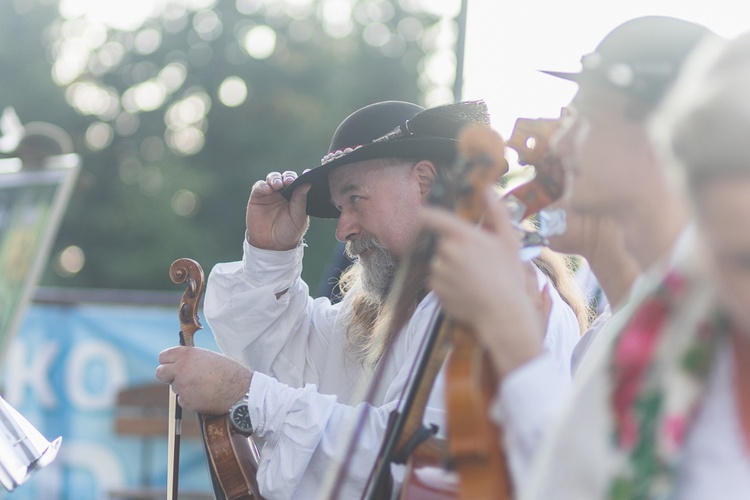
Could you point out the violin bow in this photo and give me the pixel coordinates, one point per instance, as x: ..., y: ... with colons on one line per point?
x: 190, y: 272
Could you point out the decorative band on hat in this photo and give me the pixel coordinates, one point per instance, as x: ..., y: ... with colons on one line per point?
x: 338, y: 154
x: 397, y: 133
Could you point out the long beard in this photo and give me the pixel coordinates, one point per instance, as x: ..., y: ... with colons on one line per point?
x: 367, y: 282
x: 378, y: 268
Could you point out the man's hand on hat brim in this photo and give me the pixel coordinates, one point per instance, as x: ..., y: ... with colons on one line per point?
x: 273, y: 223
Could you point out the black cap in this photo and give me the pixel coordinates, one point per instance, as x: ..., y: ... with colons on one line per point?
x: 388, y: 129
x: 641, y: 57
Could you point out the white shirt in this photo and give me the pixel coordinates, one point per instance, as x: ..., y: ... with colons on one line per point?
x: 715, y: 462
x: 528, y: 400
x: 305, y: 383
x: 527, y: 405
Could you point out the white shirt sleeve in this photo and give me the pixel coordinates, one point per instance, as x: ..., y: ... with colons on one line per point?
x: 529, y: 398
x: 302, y: 428
x: 284, y: 337
x: 303, y: 432
x: 526, y: 405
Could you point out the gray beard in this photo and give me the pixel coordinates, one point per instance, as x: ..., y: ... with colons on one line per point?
x: 378, y: 269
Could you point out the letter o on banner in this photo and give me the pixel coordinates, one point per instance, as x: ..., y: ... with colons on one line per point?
x: 89, y: 362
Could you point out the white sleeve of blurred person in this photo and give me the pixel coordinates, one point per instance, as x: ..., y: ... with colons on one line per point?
x: 529, y: 398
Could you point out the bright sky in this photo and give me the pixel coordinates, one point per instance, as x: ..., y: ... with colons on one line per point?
x: 509, y: 40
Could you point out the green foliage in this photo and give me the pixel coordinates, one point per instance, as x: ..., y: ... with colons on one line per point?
x: 121, y: 213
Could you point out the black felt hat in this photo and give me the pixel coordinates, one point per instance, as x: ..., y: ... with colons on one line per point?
x: 388, y: 129
x: 641, y: 57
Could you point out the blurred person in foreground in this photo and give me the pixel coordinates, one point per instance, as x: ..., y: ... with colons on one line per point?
x: 299, y: 361
x: 613, y: 170
x: 615, y: 174
x: 665, y: 413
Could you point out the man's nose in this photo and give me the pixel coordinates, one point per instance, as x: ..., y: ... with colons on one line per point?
x: 347, y: 227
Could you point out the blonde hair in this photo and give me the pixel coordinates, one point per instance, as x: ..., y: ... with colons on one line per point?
x: 372, y: 322
x: 559, y: 269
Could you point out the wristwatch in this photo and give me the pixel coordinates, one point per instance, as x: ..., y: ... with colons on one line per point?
x: 239, y: 418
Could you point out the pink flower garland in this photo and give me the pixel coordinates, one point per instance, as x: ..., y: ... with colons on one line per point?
x: 632, y: 357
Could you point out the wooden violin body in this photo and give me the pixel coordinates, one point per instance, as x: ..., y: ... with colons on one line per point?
x: 232, y: 457
x: 471, y: 383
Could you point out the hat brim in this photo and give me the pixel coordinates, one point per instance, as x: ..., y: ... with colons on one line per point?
x: 319, y: 197
x: 573, y: 77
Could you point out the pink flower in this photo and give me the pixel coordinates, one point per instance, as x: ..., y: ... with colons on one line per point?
x: 633, y: 354
x: 674, y: 283
x: 673, y: 430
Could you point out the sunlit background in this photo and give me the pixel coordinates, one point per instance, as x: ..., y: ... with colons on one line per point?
x: 92, y: 37
x: 176, y: 107
x: 153, y: 79
x: 509, y: 41
x: 158, y: 83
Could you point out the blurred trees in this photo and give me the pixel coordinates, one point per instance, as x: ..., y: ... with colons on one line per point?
x: 178, y: 106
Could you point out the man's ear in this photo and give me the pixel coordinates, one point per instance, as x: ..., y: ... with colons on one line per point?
x: 426, y: 173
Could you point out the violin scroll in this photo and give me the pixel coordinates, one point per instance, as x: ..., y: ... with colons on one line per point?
x: 190, y: 272
x: 531, y: 140
x: 484, y: 150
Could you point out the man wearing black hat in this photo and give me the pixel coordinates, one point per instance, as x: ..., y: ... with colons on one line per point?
x: 309, y: 357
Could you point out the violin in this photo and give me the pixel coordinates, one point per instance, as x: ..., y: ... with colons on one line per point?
x: 232, y: 457
x: 471, y: 382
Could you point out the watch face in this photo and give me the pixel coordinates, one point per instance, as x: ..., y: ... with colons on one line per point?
x: 240, y: 418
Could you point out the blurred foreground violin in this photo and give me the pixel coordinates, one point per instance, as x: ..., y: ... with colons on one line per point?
x: 475, y: 452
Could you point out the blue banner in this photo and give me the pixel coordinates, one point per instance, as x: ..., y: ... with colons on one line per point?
x: 63, y: 372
